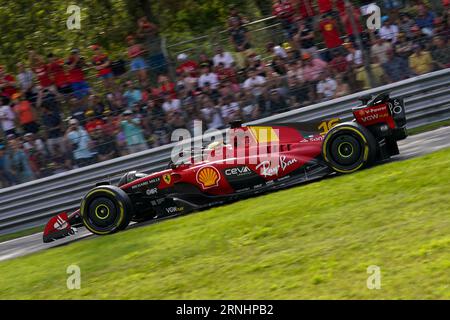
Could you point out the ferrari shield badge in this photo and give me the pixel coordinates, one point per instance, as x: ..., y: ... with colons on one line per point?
x: 167, y: 178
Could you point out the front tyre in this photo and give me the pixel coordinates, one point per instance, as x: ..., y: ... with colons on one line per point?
x: 349, y: 147
x: 106, y: 210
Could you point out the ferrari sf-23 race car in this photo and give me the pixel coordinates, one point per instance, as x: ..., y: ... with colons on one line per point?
x: 257, y: 159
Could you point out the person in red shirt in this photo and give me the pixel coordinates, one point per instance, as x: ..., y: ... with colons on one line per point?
x: 339, y: 63
x: 325, y: 6
x: 226, y: 74
x: 55, y: 68
x: 285, y: 12
x: 347, y: 20
x: 7, y: 83
x: 306, y: 9
x: 76, y: 74
x: 165, y: 86
x: 102, y: 64
x: 189, y: 66
x: 40, y: 69
x: 92, y: 122
x: 329, y: 30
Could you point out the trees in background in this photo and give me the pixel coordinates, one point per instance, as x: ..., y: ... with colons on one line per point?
x: 41, y: 25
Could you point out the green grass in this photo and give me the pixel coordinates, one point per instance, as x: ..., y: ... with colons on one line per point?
x: 19, y: 234
x: 310, y: 242
x: 429, y: 127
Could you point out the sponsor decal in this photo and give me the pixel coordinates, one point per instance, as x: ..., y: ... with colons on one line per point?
x: 313, y: 139
x: 174, y: 209
x: 167, y: 178
x: 208, y: 177
x: 395, y: 107
x: 267, y: 170
x: 60, y: 223
x: 140, y: 185
x: 238, y: 171
x: 152, y: 191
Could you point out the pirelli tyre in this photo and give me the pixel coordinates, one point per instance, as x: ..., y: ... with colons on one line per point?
x: 349, y: 147
x: 106, y: 209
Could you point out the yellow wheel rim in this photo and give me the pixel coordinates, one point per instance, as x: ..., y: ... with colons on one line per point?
x: 102, y: 212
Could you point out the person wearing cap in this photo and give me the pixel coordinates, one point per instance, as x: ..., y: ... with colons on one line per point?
x: 418, y: 37
x: 92, y: 121
x: 132, y: 130
x: 136, y: 54
x: 75, y: 63
x: 79, y: 140
x: 186, y: 65
x: 276, y: 50
x: 312, y: 69
x: 388, y: 31
x: 102, y: 64
x: 25, y: 113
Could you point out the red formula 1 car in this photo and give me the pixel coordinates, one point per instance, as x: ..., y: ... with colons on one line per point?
x: 255, y: 160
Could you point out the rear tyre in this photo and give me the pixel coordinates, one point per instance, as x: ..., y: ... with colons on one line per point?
x: 349, y: 147
x: 106, y: 210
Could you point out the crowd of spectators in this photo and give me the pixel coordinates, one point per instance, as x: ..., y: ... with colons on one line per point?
x: 52, y: 120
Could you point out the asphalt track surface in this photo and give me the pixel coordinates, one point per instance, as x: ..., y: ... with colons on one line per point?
x: 413, y: 146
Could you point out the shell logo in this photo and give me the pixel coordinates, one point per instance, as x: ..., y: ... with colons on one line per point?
x: 208, y: 177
